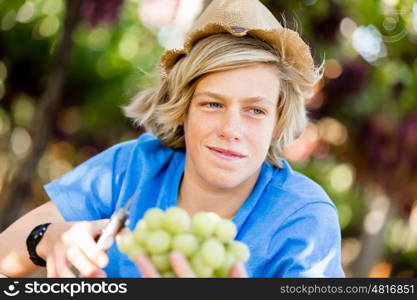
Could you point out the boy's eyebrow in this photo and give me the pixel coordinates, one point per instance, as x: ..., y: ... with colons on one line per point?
x: 224, y: 98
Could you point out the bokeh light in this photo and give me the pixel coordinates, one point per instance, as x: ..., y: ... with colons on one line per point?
x: 332, y: 131
x: 99, y: 38
x: 70, y: 121
x: 341, y: 177
x: 23, y: 110
x: 20, y: 142
x: 48, y: 26
x: 129, y: 46
x: 58, y: 167
x: 367, y: 41
x: 26, y: 12
x: 333, y: 69
x: 391, y: 3
x: 8, y: 21
x: 347, y: 27
x: 375, y: 218
x: 52, y: 7
x: 381, y: 270
x: 302, y: 148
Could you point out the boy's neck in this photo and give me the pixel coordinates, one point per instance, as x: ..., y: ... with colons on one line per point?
x: 197, y: 195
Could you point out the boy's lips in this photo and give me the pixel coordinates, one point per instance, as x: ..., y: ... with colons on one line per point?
x: 226, y: 153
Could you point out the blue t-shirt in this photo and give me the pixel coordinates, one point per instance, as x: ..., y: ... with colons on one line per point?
x: 288, y: 222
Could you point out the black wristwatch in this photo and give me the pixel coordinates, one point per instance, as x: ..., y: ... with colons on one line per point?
x: 33, y: 240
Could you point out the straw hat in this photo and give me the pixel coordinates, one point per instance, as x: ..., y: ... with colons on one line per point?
x: 240, y: 18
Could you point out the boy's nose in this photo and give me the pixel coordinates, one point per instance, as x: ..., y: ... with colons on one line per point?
x: 231, y: 126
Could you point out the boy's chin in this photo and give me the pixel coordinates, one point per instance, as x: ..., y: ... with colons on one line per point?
x: 223, y: 183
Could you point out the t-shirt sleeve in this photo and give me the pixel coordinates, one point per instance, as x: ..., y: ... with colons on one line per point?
x: 307, y: 243
x: 90, y: 191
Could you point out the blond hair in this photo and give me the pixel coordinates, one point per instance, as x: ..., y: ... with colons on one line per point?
x: 160, y: 109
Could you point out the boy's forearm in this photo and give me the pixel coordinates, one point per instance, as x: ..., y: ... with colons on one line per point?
x: 14, y: 258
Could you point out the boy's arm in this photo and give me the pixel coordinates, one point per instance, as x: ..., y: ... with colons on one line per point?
x: 14, y: 259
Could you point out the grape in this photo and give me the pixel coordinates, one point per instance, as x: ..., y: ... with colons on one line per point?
x: 161, y: 262
x: 141, y: 235
x: 200, y: 269
x: 224, y: 269
x: 141, y: 225
x: 186, y: 243
x: 206, y: 240
x: 203, y: 224
x: 239, y: 250
x: 129, y: 246
x: 176, y: 220
x: 154, y: 218
x: 212, y: 253
x: 214, y: 217
x: 225, y: 230
x: 158, y: 242
x: 169, y: 274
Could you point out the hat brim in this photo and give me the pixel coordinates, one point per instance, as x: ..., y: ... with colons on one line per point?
x: 287, y: 42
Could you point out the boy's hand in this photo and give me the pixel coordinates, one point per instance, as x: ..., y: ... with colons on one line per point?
x: 72, y: 244
x: 181, y: 267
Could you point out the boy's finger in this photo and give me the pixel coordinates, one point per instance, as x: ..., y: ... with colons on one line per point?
x: 180, y: 265
x: 146, y: 267
x: 120, y: 234
x: 238, y: 271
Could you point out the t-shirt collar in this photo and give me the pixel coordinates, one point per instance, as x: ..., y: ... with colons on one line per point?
x: 176, y: 171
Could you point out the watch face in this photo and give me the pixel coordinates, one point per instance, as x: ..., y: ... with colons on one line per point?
x: 39, y: 232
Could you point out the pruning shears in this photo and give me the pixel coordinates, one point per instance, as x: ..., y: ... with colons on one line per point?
x: 116, y: 224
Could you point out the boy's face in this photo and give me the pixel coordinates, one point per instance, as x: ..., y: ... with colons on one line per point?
x: 230, y: 123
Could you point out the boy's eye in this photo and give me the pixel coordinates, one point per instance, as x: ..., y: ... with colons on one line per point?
x: 257, y: 111
x: 216, y: 105
x: 213, y: 105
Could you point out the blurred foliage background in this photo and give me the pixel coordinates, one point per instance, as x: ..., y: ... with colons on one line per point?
x: 361, y: 143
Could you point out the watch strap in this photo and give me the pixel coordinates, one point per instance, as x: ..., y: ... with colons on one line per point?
x: 33, y: 240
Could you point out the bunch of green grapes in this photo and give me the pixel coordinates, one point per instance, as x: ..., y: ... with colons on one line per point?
x: 206, y: 240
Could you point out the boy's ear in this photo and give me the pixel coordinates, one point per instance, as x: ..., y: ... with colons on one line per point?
x: 181, y: 121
